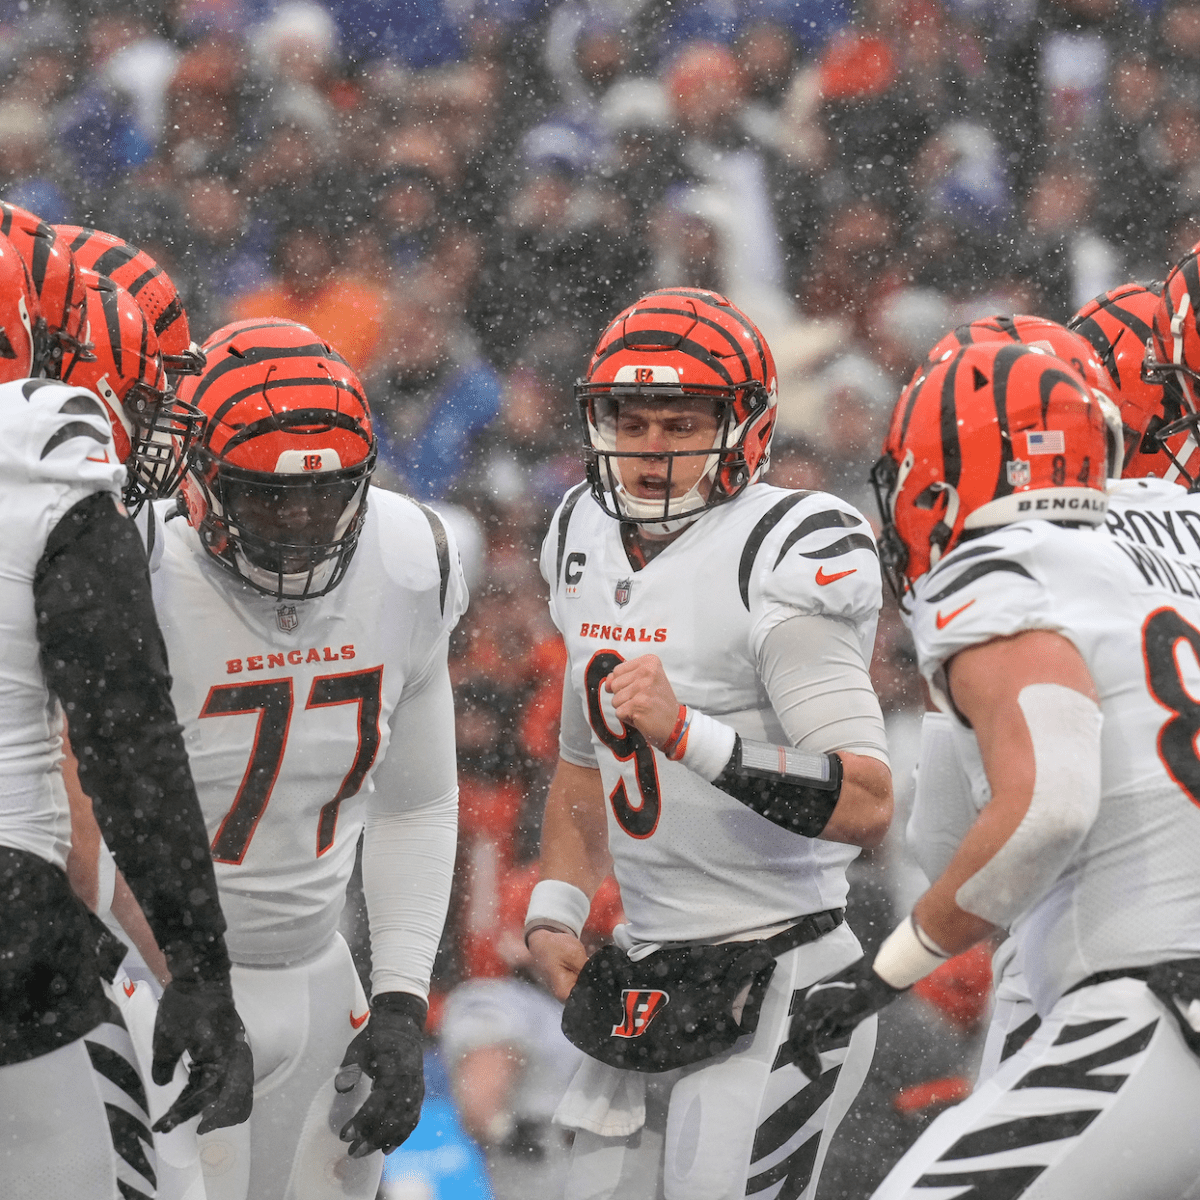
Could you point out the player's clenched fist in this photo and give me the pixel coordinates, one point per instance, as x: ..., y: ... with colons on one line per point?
x: 643, y: 697
x: 558, y: 957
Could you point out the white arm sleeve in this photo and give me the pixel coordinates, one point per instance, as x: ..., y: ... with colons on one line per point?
x: 813, y: 670
x: 574, y: 736
x: 944, y: 807
x: 411, y: 835
x: 1064, y: 726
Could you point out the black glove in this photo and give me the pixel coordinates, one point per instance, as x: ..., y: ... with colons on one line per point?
x: 199, y: 1017
x: 832, y: 1009
x: 390, y: 1050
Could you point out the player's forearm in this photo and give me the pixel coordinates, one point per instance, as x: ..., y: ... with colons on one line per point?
x: 575, y: 829
x: 408, y: 866
x: 864, y: 808
x: 103, y: 656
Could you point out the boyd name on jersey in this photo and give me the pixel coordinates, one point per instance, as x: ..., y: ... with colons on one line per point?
x: 691, y: 861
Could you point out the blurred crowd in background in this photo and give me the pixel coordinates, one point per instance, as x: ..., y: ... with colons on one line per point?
x: 459, y: 193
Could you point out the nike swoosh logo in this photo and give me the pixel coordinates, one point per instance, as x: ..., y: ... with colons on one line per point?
x: 129, y: 986
x: 942, y: 622
x: 823, y: 579
x: 356, y: 1022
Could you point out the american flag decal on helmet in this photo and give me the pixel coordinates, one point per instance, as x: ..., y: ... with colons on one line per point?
x: 641, y: 1006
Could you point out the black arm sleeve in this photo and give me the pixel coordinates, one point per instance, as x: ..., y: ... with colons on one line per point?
x: 779, y: 783
x: 104, y: 657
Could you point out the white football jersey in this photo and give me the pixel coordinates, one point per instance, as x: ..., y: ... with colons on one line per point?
x: 56, y: 449
x: 287, y: 707
x: 692, y: 862
x: 1131, y: 894
x: 1147, y: 511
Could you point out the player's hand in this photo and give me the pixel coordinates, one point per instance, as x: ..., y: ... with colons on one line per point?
x: 199, y: 1017
x: 643, y: 697
x: 558, y: 958
x: 832, y: 1009
x: 390, y: 1050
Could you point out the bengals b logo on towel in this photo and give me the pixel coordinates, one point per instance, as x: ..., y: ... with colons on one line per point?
x: 641, y: 1007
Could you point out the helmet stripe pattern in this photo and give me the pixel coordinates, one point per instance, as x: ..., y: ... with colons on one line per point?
x: 278, y: 490
x: 694, y: 349
x: 970, y: 436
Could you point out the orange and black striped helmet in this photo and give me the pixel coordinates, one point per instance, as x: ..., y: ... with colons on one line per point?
x: 1029, y: 330
x: 147, y: 283
x: 1119, y: 325
x: 153, y: 429
x: 20, y: 315
x: 55, y: 277
x: 1056, y: 339
x: 278, y: 486
x: 994, y: 433
x: 676, y: 344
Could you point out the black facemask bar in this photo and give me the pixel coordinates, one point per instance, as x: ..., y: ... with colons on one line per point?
x: 893, y: 553
x: 1166, y: 375
x: 165, y: 431
x: 602, y: 474
x: 286, y: 561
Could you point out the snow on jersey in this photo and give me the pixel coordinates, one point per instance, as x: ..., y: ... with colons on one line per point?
x: 1149, y: 512
x: 692, y: 862
x: 1131, y: 894
x: 286, y: 709
x: 56, y: 449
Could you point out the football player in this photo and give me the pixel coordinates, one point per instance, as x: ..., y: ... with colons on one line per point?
x: 80, y: 637
x: 709, y: 619
x: 1071, y: 658
x: 308, y: 630
x: 1146, y: 505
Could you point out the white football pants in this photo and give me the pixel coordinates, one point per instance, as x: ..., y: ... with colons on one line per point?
x: 299, y: 1020
x: 1101, y: 1103
x: 748, y: 1123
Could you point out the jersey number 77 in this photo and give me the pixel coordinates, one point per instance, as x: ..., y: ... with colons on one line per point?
x: 272, y: 700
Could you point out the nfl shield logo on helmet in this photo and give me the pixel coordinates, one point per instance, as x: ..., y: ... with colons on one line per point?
x: 1019, y: 474
x: 286, y: 617
x: 623, y: 592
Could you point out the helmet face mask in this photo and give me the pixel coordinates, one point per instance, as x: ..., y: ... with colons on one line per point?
x: 699, y: 455
x: 288, y: 535
x: 278, y: 491
x: 688, y: 350
x: 153, y: 430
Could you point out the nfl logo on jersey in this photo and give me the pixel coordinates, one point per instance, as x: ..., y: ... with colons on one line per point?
x: 623, y: 592
x: 286, y: 617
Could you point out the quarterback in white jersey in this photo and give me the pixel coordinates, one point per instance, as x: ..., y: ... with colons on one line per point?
x: 308, y: 631
x: 1061, y: 649
x: 79, y: 636
x: 720, y: 744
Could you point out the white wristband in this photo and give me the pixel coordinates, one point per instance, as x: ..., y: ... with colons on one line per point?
x: 709, y: 745
x: 557, y: 903
x: 908, y: 953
